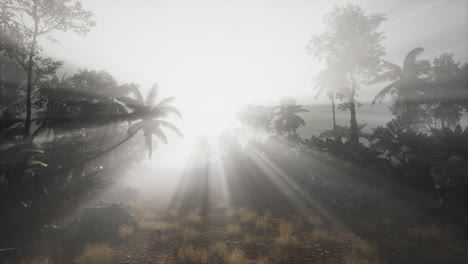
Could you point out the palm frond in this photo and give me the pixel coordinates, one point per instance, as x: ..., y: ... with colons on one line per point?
x: 385, y: 77
x: 170, y: 126
x: 385, y: 91
x: 165, y: 110
x: 158, y: 132
x: 132, y: 103
x: 410, y: 59
x: 152, y: 95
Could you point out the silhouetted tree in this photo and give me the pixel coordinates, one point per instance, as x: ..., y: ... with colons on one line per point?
x: 287, y: 119
x: 148, y: 114
x: 406, y: 82
x: 29, y: 20
x: 351, y: 39
x: 444, y: 73
x: 332, y: 82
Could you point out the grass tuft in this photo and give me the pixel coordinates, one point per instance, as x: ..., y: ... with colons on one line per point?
x: 233, y: 229
x: 37, y: 260
x: 262, y: 260
x: 190, y: 233
x: 219, y: 249
x: 95, y: 254
x: 125, y: 231
x: 263, y: 222
x: 190, y: 254
x: 246, y: 215
x: 286, y: 235
x: 237, y: 257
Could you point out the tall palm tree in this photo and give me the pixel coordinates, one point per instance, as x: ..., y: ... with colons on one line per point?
x: 406, y: 81
x: 331, y: 82
x: 149, y: 114
x: 287, y: 119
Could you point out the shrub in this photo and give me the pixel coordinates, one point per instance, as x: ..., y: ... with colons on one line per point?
x: 125, y: 231
x: 237, y: 257
x: 232, y: 229
x: 193, y: 216
x: 220, y: 249
x: 190, y: 233
x: 286, y: 235
x: 261, y: 260
x: 189, y: 254
x: 37, y: 260
x: 246, y: 215
x: 95, y: 254
x: 263, y: 222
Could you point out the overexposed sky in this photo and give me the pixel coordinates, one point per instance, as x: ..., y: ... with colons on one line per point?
x: 215, y: 54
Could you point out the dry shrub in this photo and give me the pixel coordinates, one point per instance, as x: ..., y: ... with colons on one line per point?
x: 246, y: 215
x: 232, y: 229
x: 263, y: 222
x: 318, y: 235
x: 314, y: 221
x: 261, y: 260
x: 151, y: 225
x: 286, y: 235
x: 362, y: 252
x: 37, y: 260
x: 173, y: 213
x: 193, y: 216
x: 219, y: 249
x: 248, y: 238
x: 95, y: 254
x: 230, y: 212
x: 190, y: 233
x: 125, y: 231
x: 189, y: 254
x: 237, y: 257
x: 164, y: 259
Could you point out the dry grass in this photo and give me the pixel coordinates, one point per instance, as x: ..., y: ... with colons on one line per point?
x: 362, y: 253
x: 164, y: 259
x: 248, y: 239
x: 219, y: 249
x: 286, y: 235
x: 190, y: 233
x: 95, y: 254
x: 318, y: 235
x: 237, y: 257
x: 263, y: 222
x: 125, y: 231
x: 262, y: 260
x: 151, y: 225
x: 193, y: 216
x: 192, y: 255
x: 232, y: 229
x: 37, y: 260
x: 246, y: 215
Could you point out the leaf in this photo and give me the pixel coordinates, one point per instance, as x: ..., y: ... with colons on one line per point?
x: 35, y: 163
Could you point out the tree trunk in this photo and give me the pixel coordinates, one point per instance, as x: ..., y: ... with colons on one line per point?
x: 333, y: 111
x: 354, y: 138
x: 29, y: 73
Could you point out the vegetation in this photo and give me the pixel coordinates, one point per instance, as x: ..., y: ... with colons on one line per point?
x: 64, y: 138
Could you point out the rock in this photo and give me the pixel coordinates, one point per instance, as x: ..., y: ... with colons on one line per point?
x: 104, y: 222
x: 9, y: 255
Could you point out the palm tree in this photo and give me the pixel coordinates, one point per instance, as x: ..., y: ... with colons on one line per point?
x: 331, y: 82
x: 149, y: 115
x: 287, y: 119
x: 406, y: 81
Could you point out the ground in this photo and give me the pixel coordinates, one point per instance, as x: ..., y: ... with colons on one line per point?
x: 277, y: 204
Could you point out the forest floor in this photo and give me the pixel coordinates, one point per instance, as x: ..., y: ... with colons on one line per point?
x: 293, y: 208
x: 279, y: 205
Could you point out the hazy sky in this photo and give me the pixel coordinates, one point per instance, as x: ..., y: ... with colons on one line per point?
x: 219, y: 53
